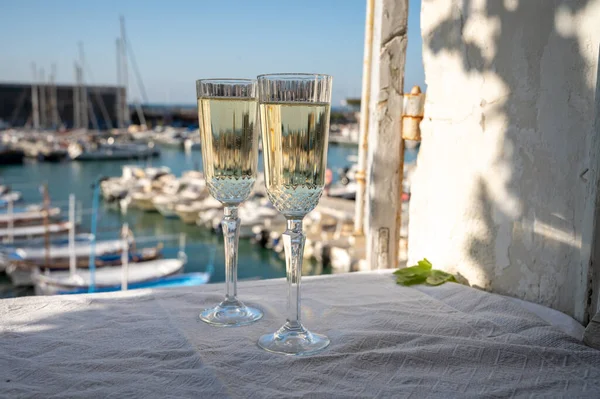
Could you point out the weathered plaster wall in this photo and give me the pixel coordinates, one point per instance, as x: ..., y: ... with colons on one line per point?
x: 507, y: 175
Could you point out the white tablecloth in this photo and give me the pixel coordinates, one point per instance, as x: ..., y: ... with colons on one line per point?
x: 387, y: 342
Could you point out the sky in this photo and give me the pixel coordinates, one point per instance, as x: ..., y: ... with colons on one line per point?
x: 176, y: 42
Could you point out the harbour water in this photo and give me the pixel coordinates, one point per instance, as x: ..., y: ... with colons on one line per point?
x: 78, y: 177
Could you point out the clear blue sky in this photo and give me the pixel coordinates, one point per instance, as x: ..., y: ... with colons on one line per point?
x: 176, y: 42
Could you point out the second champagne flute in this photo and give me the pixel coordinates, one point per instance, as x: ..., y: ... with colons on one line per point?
x: 294, y: 112
x: 227, y: 112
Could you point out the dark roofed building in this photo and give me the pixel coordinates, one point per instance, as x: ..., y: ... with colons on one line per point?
x: 16, y: 104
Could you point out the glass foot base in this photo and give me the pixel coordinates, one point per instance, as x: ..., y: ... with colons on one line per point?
x: 233, y: 314
x: 293, y: 341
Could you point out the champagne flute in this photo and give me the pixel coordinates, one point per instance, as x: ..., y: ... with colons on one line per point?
x: 227, y: 112
x: 294, y: 112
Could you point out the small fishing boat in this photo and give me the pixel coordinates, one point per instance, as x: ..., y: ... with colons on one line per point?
x: 107, y: 278
x: 35, y: 230
x: 13, y: 196
x: 102, y: 259
x: 21, y: 272
x: 178, y: 280
x: 23, y: 217
x: 10, y: 156
x: 34, y: 250
x: 55, y: 154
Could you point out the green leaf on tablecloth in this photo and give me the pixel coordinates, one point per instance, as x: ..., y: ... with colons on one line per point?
x: 411, y: 279
x: 423, y: 267
x: 438, y: 277
x: 422, y: 273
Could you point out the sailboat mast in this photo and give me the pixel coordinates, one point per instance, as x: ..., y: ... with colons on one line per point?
x: 119, y: 101
x: 53, y: 98
x: 35, y: 108
x: 124, y: 74
x: 76, y: 100
x: 84, y: 95
x: 42, y: 96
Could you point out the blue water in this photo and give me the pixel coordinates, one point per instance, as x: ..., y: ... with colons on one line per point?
x: 77, y: 177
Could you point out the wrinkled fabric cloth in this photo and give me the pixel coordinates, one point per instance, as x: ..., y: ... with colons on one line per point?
x: 387, y: 341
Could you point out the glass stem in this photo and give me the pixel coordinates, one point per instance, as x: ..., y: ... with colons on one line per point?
x: 293, y: 242
x: 231, y: 235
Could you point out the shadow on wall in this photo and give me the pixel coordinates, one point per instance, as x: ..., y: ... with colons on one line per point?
x: 531, y: 210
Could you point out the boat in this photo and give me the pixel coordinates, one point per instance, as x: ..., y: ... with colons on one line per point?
x: 60, y: 248
x: 166, y: 201
x: 34, y: 250
x: 190, y: 188
x: 21, y: 272
x: 35, y: 230
x: 13, y: 196
x: 143, y: 200
x: 111, y: 152
x: 11, y: 156
x: 188, y: 212
x: 38, y: 242
x: 253, y: 215
x: 106, y: 278
x: 178, y: 280
x: 192, y: 144
x: 171, y: 138
x: 53, y: 155
x: 102, y: 259
x: 345, y: 191
x: 22, y: 217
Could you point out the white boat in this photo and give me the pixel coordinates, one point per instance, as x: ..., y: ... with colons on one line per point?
x: 56, y: 282
x: 33, y: 231
x: 171, y: 138
x: 188, y: 212
x: 109, y: 152
x: 12, y: 196
x: 253, y: 214
x: 345, y: 191
x: 25, y: 216
x: 143, y: 200
x: 192, y: 144
x: 33, y: 254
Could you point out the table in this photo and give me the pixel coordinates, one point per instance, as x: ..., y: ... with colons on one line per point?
x: 388, y: 341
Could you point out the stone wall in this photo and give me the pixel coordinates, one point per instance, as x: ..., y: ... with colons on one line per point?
x: 507, y: 176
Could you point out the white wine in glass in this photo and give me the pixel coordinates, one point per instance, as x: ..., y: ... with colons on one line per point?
x: 295, y: 150
x: 294, y: 112
x: 227, y: 112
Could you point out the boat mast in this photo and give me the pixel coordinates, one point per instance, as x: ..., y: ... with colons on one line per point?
x: 119, y: 101
x: 76, y: 101
x: 124, y: 75
x: 97, y: 95
x: 54, y: 98
x: 43, y: 107
x: 84, y: 95
x: 35, y: 108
